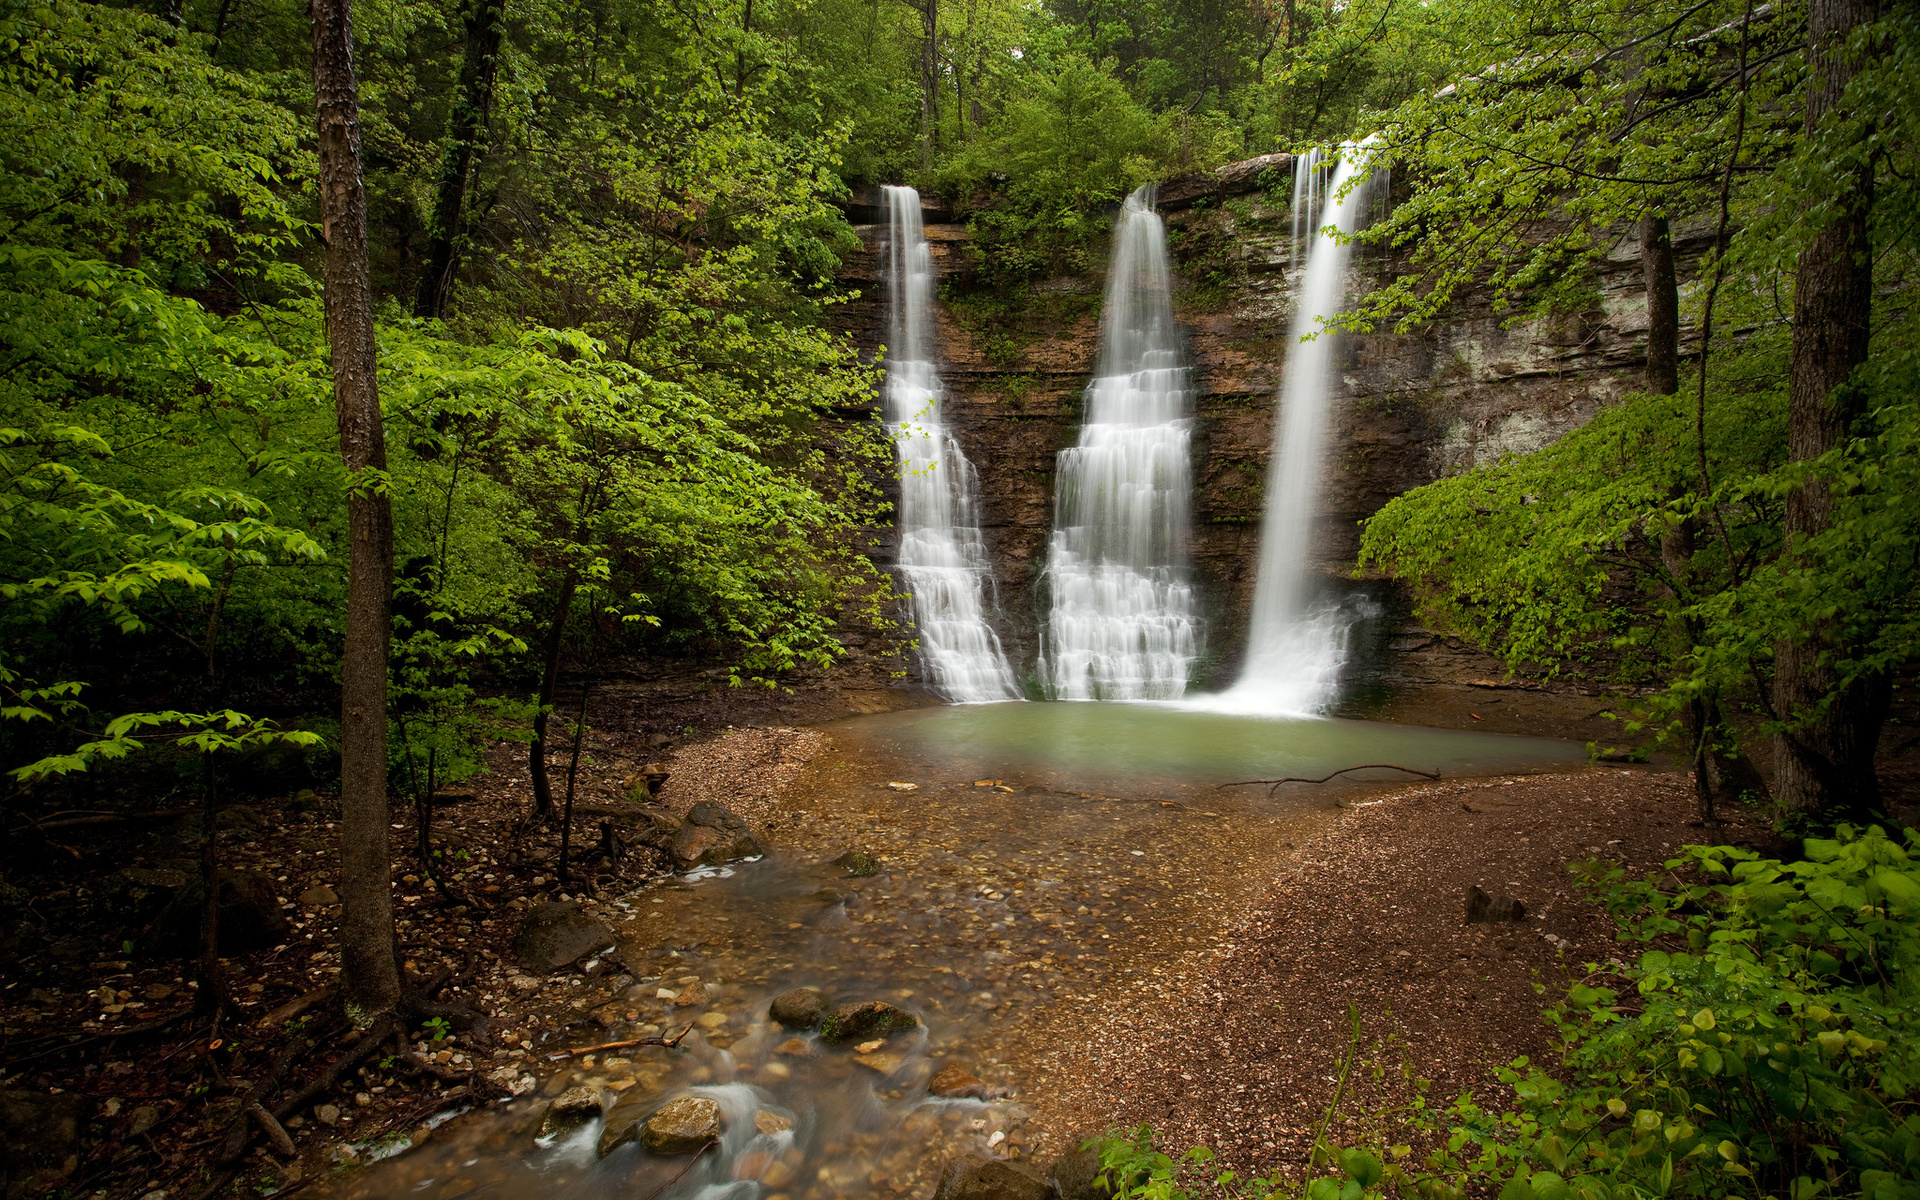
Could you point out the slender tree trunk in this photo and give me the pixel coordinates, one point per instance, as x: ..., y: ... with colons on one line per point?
x: 929, y: 80
x: 549, y: 680
x: 370, y: 974
x: 1663, y: 305
x: 211, y: 994
x: 1824, y: 763
x: 472, y: 100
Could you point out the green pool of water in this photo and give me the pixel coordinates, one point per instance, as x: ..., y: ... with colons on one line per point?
x: 1107, y: 744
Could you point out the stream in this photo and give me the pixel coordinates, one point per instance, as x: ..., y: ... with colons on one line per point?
x: 1030, y: 862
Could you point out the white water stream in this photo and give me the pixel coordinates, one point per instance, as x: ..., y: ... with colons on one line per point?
x: 1297, y: 638
x: 1122, y: 624
x: 942, y: 560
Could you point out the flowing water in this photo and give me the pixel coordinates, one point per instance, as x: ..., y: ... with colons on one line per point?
x: 1034, y: 865
x: 1123, y: 624
x: 942, y: 559
x: 1297, y: 639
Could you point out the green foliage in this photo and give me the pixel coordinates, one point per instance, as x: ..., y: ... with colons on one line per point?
x: 1767, y: 1044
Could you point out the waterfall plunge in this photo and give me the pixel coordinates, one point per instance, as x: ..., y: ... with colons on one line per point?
x: 1297, y: 641
x: 942, y: 559
x: 1122, y: 625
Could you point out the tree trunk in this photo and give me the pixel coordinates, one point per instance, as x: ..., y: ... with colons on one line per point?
x: 370, y: 974
x: 466, y: 123
x: 929, y: 80
x: 1663, y: 305
x: 549, y: 680
x: 1824, y: 763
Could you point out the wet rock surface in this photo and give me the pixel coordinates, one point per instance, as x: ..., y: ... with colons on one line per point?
x: 867, y: 1019
x: 682, y: 1126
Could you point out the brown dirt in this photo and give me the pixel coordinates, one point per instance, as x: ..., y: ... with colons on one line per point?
x: 1238, y: 1044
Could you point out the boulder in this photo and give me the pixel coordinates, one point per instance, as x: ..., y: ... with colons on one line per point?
x: 250, y: 917
x: 799, y: 1008
x: 557, y: 934
x: 859, y: 1022
x: 1483, y: 909
x: 1075, y: 1175
x: 711, y: 836
x: 977, y: 1177
x: 954, y: 1082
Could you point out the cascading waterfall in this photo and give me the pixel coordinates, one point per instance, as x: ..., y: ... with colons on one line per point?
x: 1298, y: 640
x: 1122, y: 623
x: 942, y: 560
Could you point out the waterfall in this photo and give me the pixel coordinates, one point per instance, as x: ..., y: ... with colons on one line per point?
x: 1122, y: 623
x: 942, y: 560
x: 1297, y: 640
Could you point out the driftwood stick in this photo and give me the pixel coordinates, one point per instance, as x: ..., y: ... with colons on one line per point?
x: 1273, y: 785
x: 645, y: 1041
x: 699, y: 1154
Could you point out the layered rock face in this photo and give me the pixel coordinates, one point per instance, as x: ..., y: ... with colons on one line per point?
x: 1414, y: 407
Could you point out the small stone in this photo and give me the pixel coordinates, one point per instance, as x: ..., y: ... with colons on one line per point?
x: 771, y: 1122
x: 363, y: 1099
x: 869, y: 1047
x: 327, y: 1114
x: 954, y: 1082
x: 344, y: 1154
x: 694, y: 995
x: 682, y: 1126
x: 558, y: 934
x: 797, y: 1047
x: 158, y: 991
x: 778, y: 1175
x: 799, y: 1008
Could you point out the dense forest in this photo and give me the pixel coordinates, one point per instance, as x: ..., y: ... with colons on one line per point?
x: 350, y: 444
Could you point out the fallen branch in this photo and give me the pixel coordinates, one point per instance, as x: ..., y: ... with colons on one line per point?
x: 95, y: 817
x: 299, y: 1004
x: 276, y: 1133
x: 645, y: 1041
x: 1273, y: 784
x: 236, y: 1143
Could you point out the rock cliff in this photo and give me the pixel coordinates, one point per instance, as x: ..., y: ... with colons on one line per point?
x: 1414, y: 407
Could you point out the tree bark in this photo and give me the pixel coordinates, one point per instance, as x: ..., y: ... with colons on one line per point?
x: 549, y: 680
x: 1824, y: 760
x: 370, y: 972
x: 466, y: 123
x: 1663, y: 305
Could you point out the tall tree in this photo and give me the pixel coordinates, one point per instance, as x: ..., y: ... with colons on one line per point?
x: 1826, y: 754
x: 466, y: 125
x: 371, y: 975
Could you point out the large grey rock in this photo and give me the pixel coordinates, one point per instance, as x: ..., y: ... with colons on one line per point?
x: 976, y: 1177
x: 799, y: 1008
x: 250, y: 917
x: 711, y: 836
x: 556, y: 935
x: 859, y: 1022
